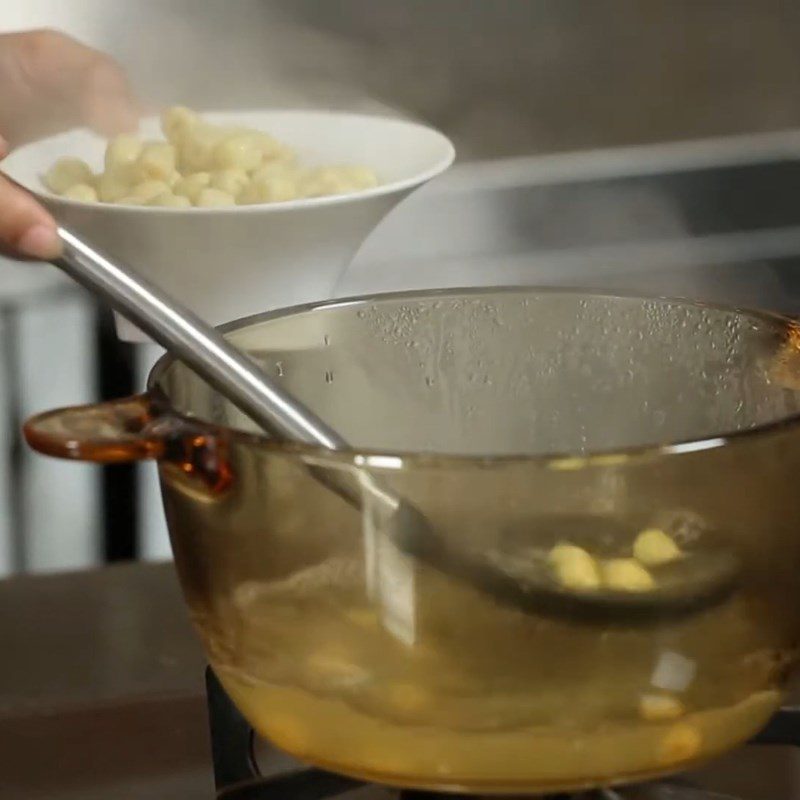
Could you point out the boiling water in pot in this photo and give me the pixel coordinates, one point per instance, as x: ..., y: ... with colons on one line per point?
x: 351, y: 655
x: 484, y: 695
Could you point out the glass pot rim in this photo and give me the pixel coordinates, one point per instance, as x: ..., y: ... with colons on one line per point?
x: 395, y: 459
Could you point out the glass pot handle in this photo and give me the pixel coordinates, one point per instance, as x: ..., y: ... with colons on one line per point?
x: 126, y: 430
x: 106, y: 433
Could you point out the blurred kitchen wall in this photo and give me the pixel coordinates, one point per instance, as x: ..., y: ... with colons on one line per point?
x: 502, y: 77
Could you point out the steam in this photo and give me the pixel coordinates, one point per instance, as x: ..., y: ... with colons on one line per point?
x: 501, y: 77
x: 243, y: 55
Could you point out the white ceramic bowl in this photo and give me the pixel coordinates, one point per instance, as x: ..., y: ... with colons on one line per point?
x: 227, y: 263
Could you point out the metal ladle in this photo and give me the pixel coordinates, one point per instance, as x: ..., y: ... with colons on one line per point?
x: 699, y: 580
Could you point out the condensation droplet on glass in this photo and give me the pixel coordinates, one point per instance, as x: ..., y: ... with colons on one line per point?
x: 328, y: 376
x: 429, y: 381
x: 326, y: 340
x: 279, y: 368
x: 361, y: 314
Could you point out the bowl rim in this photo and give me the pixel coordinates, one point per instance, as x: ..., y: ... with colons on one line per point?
x: 393, y: 187
x: 395, y: 459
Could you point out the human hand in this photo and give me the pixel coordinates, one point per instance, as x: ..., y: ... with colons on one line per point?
x: 50, y: 82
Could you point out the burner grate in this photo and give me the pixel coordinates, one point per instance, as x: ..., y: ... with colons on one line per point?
x: 237, y: 776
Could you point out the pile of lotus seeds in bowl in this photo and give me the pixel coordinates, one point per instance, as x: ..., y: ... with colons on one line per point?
x: 201, y: 165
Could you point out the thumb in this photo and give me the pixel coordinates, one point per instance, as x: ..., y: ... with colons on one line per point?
x: 26, y: 229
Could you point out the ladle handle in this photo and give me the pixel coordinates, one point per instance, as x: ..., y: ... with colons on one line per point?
x: 197, y: 344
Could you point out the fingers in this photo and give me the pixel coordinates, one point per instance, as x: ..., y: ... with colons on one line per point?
x: 50, y: 82
x: 108, y: 104
x: 26, y: 229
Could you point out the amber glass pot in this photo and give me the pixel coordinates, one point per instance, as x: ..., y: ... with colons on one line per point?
x: 488, y: 410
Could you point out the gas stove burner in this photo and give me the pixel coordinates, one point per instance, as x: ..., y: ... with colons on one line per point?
x: 657, y: 792
x: 238, y: 776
